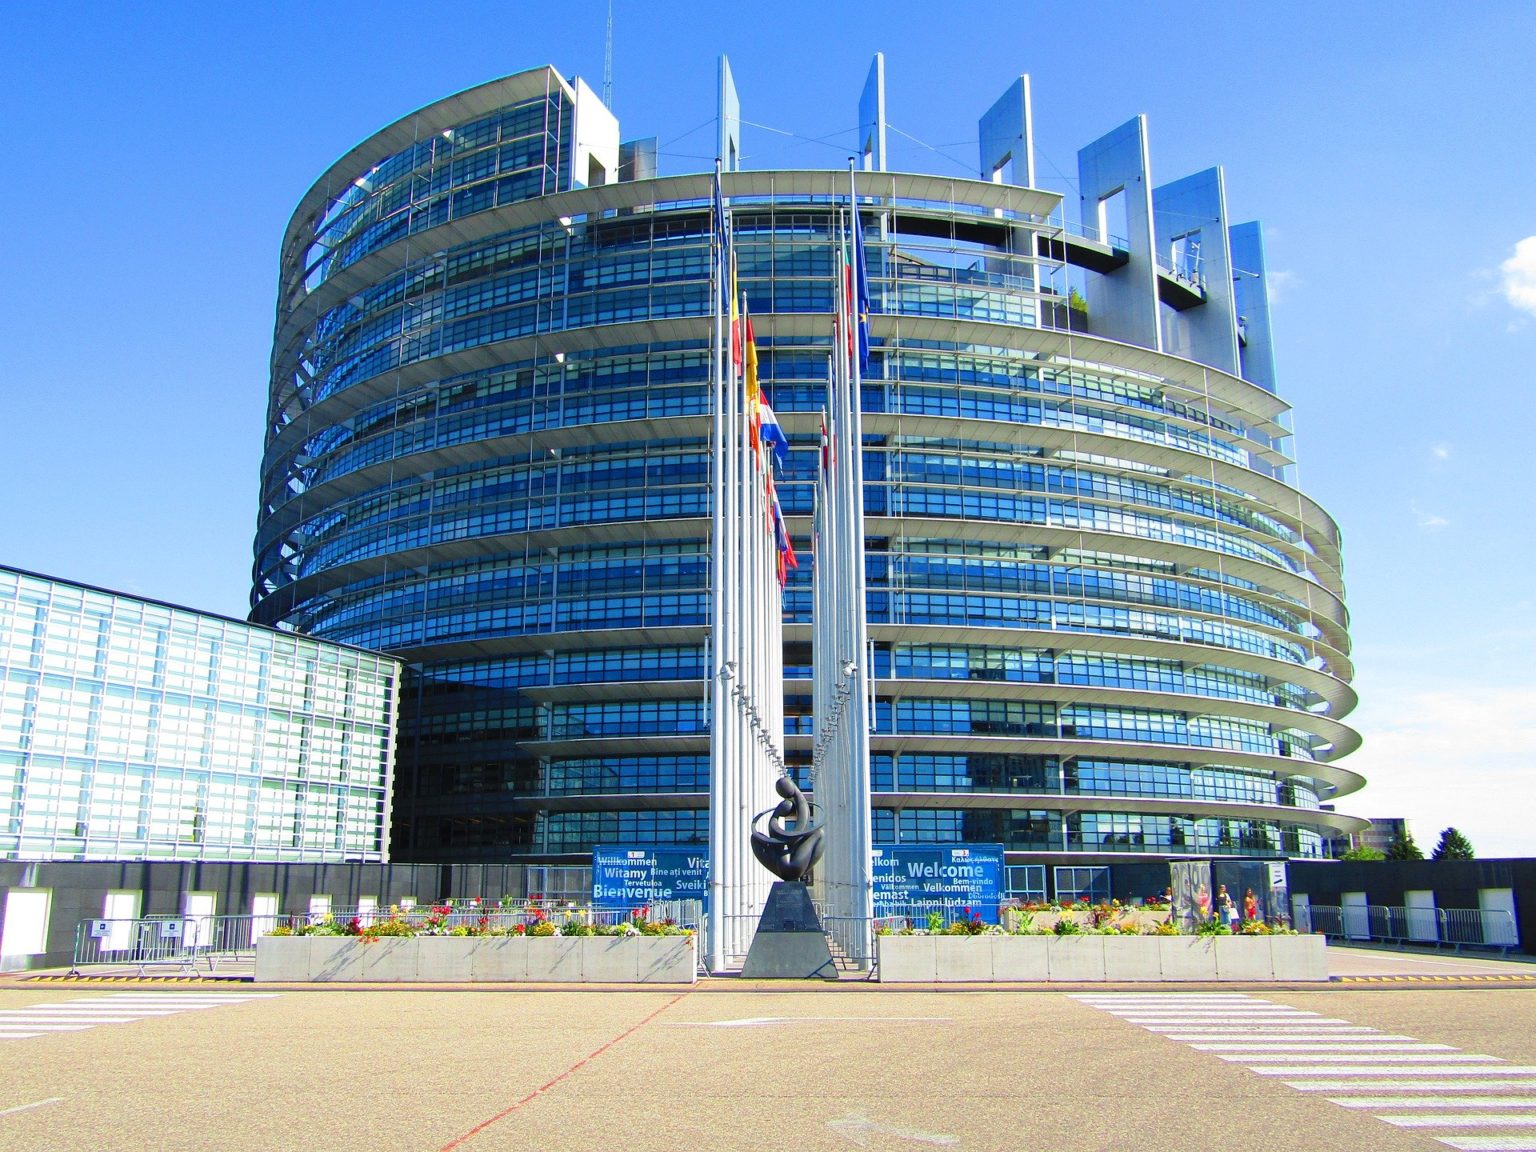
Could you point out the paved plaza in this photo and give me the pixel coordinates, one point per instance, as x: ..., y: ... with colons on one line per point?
x: 221, y: 1065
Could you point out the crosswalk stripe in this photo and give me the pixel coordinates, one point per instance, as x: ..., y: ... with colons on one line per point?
x: 1402, y: 1081
x: 1371, y: 1070
x: 175, y: 998
x: 86, y: 1021
x: 33, y: 1028
x: 1369, y: 1059
x: 1436, y: 1101
x: 92, y: 1011
x: 1281, y: 1037
x: 1375, y: 1085
x: 64, y: 1012
x: 1263, y: 1046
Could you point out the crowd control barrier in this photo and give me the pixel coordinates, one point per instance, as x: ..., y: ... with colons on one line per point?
x: 1442, y: 927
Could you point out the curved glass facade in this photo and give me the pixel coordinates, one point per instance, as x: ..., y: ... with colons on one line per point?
x: 1103, y: 619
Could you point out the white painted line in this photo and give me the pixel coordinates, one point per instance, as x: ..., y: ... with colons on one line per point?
x: 1369, y: 1070
x: 1213, y: 1017
x: 1436, y: 1101
x: 1461, y: 1120
x: 1490, y: 1143
x: 104, y: 1009
x: 18, y: 1036
x: 1258, y: 1046
x: 1206, y: 1009
x: 1181, y: 1031
x: 1219, y: 1021
x: 764, y: 1020
x: 1376, y: 1085
x: 85, y: 1021
x: 92, y: 1006
x: 34, y: 1028
x: 34, y: 1104
x: 1363, y: 1059
x: 162, y: 998
x: 1277, y: 1037
x: 857, y: 1127
x: 1256, y: 1011
x: 1165, y: 998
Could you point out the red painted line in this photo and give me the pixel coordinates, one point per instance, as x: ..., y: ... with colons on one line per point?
x: 460, y: 1141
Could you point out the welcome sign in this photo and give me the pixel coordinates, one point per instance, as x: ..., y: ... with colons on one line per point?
x: 942, y: 878
x: 630, y: 877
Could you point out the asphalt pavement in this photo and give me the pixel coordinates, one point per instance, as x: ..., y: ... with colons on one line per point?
x: 179, y: 1066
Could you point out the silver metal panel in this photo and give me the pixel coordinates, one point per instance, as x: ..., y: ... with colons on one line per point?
x: 1008, y: 137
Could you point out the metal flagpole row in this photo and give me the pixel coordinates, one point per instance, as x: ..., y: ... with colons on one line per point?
x: 840, y: 659
x: 746, y: 617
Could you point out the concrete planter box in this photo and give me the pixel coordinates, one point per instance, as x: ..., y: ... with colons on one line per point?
x: 1093, y: 959
x: 469, y: 959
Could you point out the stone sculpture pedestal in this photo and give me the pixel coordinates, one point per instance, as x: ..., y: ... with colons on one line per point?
x: 790, y: 943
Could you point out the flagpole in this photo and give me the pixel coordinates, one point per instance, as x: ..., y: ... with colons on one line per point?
x: 858, y: 720
x: 719, y: 654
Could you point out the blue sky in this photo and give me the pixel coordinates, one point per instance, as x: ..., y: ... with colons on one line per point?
x: 153, y: 158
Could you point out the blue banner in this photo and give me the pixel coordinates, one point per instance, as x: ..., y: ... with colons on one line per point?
x: 939, y: 877
x: 632, y: 877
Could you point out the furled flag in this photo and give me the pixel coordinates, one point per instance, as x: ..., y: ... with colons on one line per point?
x: 722, y: 232
x: 860, y: 299
x: 735, y: 318
x: 787, y: 558
x: 771, y: 432
x: 754, y: 392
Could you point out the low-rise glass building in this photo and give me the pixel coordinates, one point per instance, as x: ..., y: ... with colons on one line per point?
x: 1104, y: 618
x: 136, y: 730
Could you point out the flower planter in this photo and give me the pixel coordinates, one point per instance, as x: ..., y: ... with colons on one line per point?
x: 1094, y: 959
x: 469, y: 959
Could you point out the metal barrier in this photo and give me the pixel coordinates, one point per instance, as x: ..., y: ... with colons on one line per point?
x: 1442, y: 927
x: 852, y: 940
x: 180, y: 942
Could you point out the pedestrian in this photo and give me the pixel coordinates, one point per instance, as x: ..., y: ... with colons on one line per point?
x: 1226, y: 908
x: 1250, y: 905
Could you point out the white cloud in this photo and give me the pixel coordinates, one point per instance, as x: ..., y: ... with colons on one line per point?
x: 1519, y: 276
x: 1458, y: 756
x: 1282, y: 282
x: 1440, y: 451
x: 1429, y: 521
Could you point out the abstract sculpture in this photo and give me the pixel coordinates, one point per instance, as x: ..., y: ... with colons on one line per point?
x: 788, y: 853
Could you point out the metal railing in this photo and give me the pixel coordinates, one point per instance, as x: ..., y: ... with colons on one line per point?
x: 189, y: 944
x: 1442, y: 927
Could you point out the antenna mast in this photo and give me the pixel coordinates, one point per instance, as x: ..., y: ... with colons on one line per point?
x: 608, y: 62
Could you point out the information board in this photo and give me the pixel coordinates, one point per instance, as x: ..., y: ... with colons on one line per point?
x: 943, y: 878
x: 631, y: 877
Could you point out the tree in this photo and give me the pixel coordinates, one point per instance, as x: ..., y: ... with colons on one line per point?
x: 1403, y: 847
x: 1453, y: 846
x: 1364, y: 852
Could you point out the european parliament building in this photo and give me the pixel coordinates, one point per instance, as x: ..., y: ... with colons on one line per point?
x: 1105, y: 624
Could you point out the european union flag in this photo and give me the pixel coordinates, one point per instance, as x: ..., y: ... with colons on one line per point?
x: 860, y: 291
